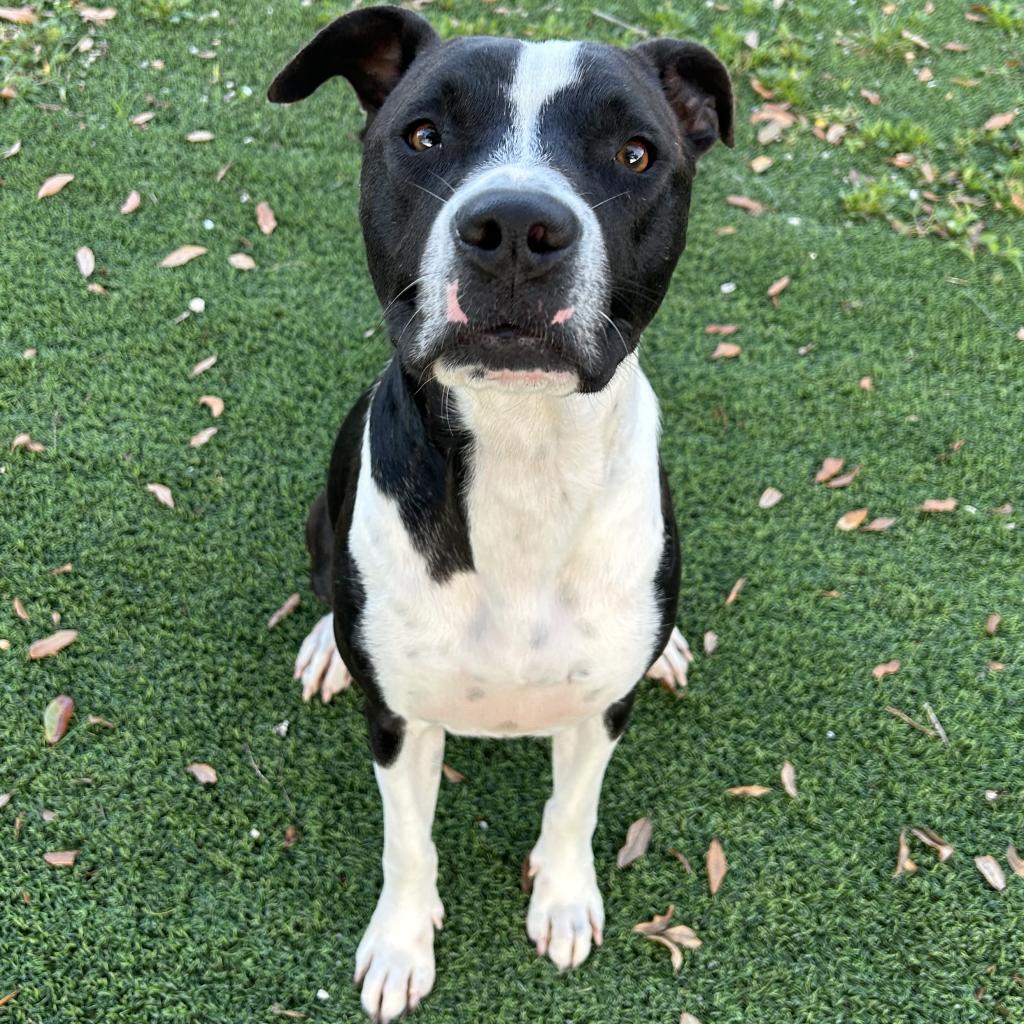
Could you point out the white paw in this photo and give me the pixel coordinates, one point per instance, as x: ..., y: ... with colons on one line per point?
x: 670, y: 668
x: 566, y: 910
x: 395, y: 959
x: 319, y: 664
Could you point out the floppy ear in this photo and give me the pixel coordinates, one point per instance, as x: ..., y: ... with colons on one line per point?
x: 372, y: 48
x: 697, y: 88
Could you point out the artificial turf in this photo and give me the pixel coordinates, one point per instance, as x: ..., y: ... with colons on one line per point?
x: 174, y: 911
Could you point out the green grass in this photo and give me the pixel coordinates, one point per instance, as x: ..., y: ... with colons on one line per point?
x: 173, y: 913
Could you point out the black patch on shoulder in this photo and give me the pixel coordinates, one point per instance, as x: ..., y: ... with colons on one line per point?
x: 419, y: 454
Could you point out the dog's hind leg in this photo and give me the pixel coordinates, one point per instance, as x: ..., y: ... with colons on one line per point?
x: 319, y: 664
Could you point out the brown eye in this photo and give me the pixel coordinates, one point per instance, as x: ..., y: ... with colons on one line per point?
x: 423, y: 135
x: 636, y: 155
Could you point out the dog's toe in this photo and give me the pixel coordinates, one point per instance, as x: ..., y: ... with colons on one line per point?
x: 566, y: 915
x: 671, y: 668
x: 319, y: 664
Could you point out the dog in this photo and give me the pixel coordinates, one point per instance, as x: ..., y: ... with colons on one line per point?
x: 496, y: 541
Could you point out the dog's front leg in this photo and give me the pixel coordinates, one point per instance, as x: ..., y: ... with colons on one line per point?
x: 566, y: 911
x: 395, y: 959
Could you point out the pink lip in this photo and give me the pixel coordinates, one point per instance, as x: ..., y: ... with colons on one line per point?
x: 563, y: 315
x: 455, y: 313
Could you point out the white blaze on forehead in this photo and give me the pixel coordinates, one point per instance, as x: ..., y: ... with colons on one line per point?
x: 542, y: 71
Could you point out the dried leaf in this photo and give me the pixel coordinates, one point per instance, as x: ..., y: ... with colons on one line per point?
x: 754, y: 791
x: 280, y: 1011
x: 1013, y: 858
x: 925, y: 75
x: 198, y: 440
x: 954, y: 47
x: 710, y: 642
x: 657, y: 924
x: 242, y: 261
x: 638, y: 839
x: 53, y: 185
x: 86, y: 261
x: 866, y: 384
x: 182, y: 255
x: 61, y: 858
x: 265, y: 218
x: 887, y: 668
x: 12, y: 150
x: 18, y: 15
x: 778, y: 287
x: 202, y: 135
x: 726, y: 350
x: 760, y: 164
x: 872, y: 97
x: 752, y: 206
x: 674, y: 950
x: 992, y: 624
x: 938, y: 505
x: 452, y: 775
x: 162, y: 493
x: 19, y: 609
x: 879, y: 525
x: 769, y: 498
x: 291, y: 836
x: 934, y: 841
x: 829, y: 468
x: 50, y: 645
x: 916, y: 40
x: 284, y: 611
x: 991, y: 871
x: 724, y: 329
x: 1005, y: 509
x: 788, y: 776
x: 5, y: 799
x: 681, y: 857
x: 735, y: 592
x: 57, y: 718
x: 224, y: 170
x: 203, y: 773
x: 761, y: 89
x: 845, y: 480
x: 61, y: 569
x: 835, y: 134
x: 688, y: 1018
x: 202, y: 366
x: 97, y: 15
x: 904, y: 717
x: 716, y: 864
x: 102, y: 723
x: 131, y: 204
x: 904, y: 865
x: 999, y: 121
x: 683, y: 936
x: 142, y: 119
x: 851, y: 520
x: 213, y: 403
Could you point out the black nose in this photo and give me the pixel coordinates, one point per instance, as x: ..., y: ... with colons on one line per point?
x: 505, y: 231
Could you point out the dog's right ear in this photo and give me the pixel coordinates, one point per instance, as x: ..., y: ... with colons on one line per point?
x: 372, y: 48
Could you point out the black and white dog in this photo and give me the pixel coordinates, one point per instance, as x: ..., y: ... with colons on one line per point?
x: 496, y: 539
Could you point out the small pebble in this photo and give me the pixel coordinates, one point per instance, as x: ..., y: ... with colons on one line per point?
x: 208, y: 224
x: 728, y: 288
x: 254, y: 833
x: 323, y: 995
x: 197, y: 305
x: 281, y: 729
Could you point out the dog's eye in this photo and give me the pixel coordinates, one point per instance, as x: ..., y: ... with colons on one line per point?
x: 423, y: 135
x: 636, y: 155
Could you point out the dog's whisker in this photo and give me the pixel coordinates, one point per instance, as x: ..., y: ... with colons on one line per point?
x: 610, y: 198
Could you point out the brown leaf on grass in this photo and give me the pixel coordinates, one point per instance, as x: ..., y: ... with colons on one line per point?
x: 182, y: 255
x: 887, y: 668
x: 754, y: 791
x: 879, y: 525
x: 242, y: 261
x: 18, y: 15
x: 751, y: 206
x: 724, y: 329
x: 955, y: 47
x: 710, y: 642
x: 453, y: 776
x: 5, y: 644
x: 770, y: 497
x: 829, y: 468
x: 688, y: 1018
x: 279, y: 1011
x: 760, y: 164
x: 995, y: 666
x: 61, y: 858
x: 1006, y: 509
x: 872, y: 97
x: 716, y: 865
x: 291, y: 836
x: 905, y: 718
x: 835, y: 134
x: 162, y: 493
x: 213, y: 403
x: 992, y: 624
x: 265, y: 218
x: 943, y: 850
x: 86, y: 261
x: 866, y: 384
x: 61, y: 569
x: 100, y: 722
x: 57, y: 718
x: 638, y: 839
x: 991, y: 871
x: 726, y: 350
x: 131, y: 204
x: 938, y: 505
x: 845, y: 480
x: 202, y: 772
x: 12, y: 150
x: 674, y: 951
x: 761, y: 89
x: 19, y: 609
x: 5, y: 799
x: 999, y: 121
x: 97, y: 15
x: 205, y: 435
x: 851, y: 520
x: 681, y: 857
x: 52, y: 644
x: 53, y: 185
x: 657, y: 924
x: 201, y: 135
x: 925, y: 75
x: 735, y: 592
x: 95, y: 288
x: 224, y: 170
x: 202, y: 366
x: 25, y: 441
x: 284, y: 611
x: 778, y: 287
x: 682, y: 935
x: 1013, y: 858
x: 139, y: 120
x: 8, y: 92
x: 904, y: 865
x: 788, y: 775
x: 916, y: 40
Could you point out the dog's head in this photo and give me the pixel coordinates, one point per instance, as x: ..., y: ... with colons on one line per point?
x: 523, y: 204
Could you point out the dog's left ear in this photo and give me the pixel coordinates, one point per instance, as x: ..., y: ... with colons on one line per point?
x: 697, y: 88
x: 372, y: 48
